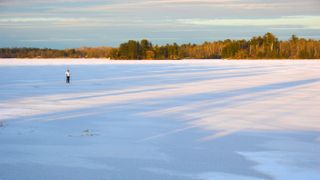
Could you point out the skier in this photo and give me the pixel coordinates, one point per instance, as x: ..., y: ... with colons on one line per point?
x: 68, y: 76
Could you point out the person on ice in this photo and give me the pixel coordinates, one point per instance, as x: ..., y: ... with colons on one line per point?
x: 68, y: 76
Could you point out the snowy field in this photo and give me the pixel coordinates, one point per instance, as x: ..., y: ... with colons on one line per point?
x: 127, y: 120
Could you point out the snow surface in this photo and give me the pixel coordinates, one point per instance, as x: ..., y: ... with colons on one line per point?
x: 194, y: 119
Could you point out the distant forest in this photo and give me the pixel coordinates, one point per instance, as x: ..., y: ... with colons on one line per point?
x: 260, y: 47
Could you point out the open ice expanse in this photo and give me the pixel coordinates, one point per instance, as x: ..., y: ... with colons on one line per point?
x: 234, y: 120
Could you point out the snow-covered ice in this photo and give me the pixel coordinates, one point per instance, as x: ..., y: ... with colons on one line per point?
x: 195, y: 119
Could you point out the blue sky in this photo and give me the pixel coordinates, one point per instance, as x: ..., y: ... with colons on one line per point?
x: 75, y: 23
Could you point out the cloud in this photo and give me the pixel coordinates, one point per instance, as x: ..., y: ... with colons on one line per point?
x: 78, y: 22
x: 129, y: 5
x: 308, y: 22
x: 29, y: 2
x: 57, y: 21
x: 291, y: 22
x: 44, y: 19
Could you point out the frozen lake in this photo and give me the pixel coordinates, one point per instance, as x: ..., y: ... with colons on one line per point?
x: 235, y: 120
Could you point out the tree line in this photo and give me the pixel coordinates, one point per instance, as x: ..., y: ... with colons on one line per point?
x: 84, y: 52
x: 259, y: 47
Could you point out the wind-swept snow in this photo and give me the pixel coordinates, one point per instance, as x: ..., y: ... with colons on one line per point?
x: 190, y: 119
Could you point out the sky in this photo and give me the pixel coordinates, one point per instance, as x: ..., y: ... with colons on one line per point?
x: 75, y: 23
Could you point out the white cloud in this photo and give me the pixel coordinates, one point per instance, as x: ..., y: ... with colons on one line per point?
x: 77, y: 22
x: 47, y: 19
x: 301, y: 22
x: 308, y: 22
x: 129, y: 5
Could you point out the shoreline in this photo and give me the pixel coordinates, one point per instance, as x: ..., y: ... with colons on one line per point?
x: 56, y: 62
